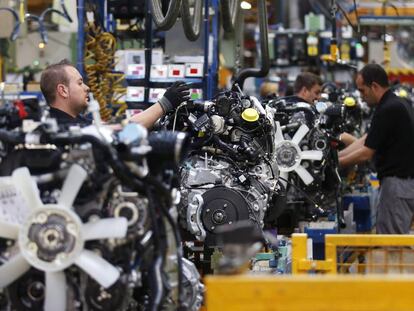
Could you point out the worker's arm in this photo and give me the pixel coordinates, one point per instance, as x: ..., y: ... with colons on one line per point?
x: 347, y: 139
x: 176, y: 94
x: 356, y: 144
x: 149, y: 116
x: 358, y: 155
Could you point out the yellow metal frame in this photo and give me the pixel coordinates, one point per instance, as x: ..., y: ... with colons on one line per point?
x: 301, y: 263
x: 309, y: 293
x: 322, y: 292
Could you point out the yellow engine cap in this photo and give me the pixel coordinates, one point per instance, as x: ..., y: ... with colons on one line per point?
x: 250, y: 115
x: 349, y: 102
x: 402, y: 93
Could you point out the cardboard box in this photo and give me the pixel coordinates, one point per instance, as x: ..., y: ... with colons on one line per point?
x: 176, y: 71
x: 136, y: 70
x: 196, y: 94
x: 194, y: 70
x: 135, y: 94
x: 123, y: 58
x: 155, y: 94
x: 159, y: 72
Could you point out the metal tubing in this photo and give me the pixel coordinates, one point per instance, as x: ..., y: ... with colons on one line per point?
x: 148, y: 50
x: 264, y: 49
x: 81, y: 37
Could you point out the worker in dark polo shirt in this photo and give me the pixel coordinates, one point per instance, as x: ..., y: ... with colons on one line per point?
x: 390, y: 142
x: 307, y: 89
x: 67, y: 96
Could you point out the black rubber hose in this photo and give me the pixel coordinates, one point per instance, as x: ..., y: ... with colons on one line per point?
x: 179, y: 252
x: 11, y: 137
x: 121, y: 171
x: 192, y: 26
x: 155, y: 276
x: 264, y: 50
x: 230, y: 10
x: 165, y: 22
x: 16, y: 28
x: 225, y: 147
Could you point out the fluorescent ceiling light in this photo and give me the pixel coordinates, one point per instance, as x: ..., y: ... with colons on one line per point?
x: 245, y: 5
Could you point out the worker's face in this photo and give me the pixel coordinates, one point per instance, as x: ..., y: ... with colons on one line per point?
x: 78, y: 92
x: 366, y: 91
x: 313, y: 94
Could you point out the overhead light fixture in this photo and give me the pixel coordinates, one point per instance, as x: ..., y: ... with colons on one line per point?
x: 245, y: 5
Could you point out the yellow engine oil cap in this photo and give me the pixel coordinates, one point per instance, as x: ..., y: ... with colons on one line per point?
x: 402, y: 93
x: 349, y: 102
x: 250, y: 115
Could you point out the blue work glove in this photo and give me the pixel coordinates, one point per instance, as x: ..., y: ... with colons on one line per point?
x: 176, y: 94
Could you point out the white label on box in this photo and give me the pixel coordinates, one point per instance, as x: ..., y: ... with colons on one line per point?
x: 136, y: 70
x: 176, y: 71
x: 196, y: 94
x: 155, y: 94
x: 194, y: 70
x: 159, y: 71
x: 135, y: 94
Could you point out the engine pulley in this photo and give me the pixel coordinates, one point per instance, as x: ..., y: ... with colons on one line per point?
x: 223, y: 205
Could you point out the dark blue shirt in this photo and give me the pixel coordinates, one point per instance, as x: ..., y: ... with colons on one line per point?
x: 63, y: 118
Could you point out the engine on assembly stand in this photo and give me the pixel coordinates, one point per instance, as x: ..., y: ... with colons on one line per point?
x: 91, y: 235
x: 229, y: 175
x: 306, y: 158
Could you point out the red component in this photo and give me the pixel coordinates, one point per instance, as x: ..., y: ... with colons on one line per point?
x: 176, y: 72
x: 22, y: 110
x: 402, y: 78
x: 193, y: 70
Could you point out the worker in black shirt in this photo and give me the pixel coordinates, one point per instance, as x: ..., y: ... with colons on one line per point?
x: 67, y: 95
x: 390, y: 141
x: 307, y: 89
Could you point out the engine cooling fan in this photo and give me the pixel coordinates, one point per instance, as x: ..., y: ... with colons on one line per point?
x: 289, y: 155
x: 52, y: 239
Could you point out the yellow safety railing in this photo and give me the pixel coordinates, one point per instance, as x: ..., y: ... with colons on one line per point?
x: 309, y: 293
x: 358, y: 253
x: 332, y: 287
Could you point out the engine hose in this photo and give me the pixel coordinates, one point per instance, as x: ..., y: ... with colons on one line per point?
x: 179, y: 252
x: 225, y: 147
x: 16, y: 27
x: 165, y: 22
x: 155, y: 277
x: 192, y: 27
x: 164, y: 193
x: 230, y: 10
x: 105, y: 84
x: 11, y: 137
x: 121, y: 171
x: 264, y: 50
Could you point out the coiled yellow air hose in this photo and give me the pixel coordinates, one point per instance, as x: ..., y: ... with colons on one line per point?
x: 105, y: 84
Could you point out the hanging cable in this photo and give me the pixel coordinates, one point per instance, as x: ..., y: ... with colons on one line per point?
x: 165, y: 22
x: 192, y: 26
x: 16, y: 28
x: 230, y: 10
x: 264, y: 50
x: 41, y: 19
x: 357, y: 17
